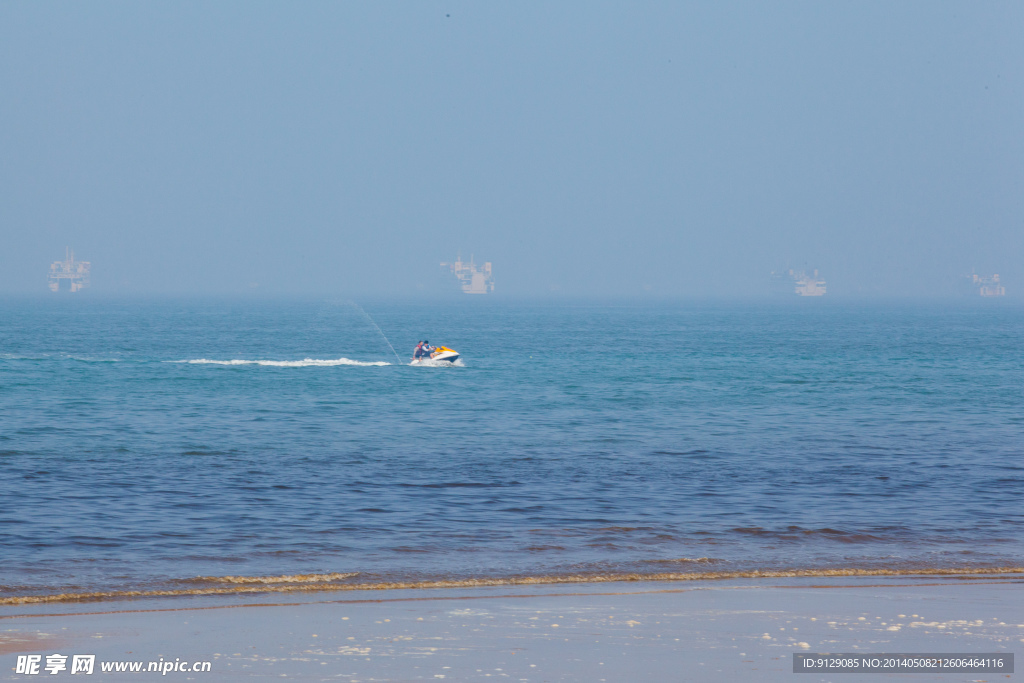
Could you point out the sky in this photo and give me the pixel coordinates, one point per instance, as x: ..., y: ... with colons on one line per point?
x: 584, y: 148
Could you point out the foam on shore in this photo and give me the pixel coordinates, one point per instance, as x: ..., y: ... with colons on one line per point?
x: 325, y: 582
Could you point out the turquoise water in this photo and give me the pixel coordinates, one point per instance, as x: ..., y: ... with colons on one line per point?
x: 577, y: 438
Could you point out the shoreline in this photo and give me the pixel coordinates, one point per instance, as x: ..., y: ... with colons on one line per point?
x: 319, y: 583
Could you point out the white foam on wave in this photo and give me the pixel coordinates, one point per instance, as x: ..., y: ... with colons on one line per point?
x: 438, y: 364
x: 304, y: 363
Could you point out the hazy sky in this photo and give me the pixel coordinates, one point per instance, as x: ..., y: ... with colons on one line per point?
x: 349, y: 147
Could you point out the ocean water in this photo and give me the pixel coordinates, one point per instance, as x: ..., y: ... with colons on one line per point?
x: 144, y: 444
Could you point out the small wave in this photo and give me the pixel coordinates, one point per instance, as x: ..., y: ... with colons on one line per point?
x: 318, y: 586
x: 287, y: 578
x: 796, y: 533
x: 304, y: 363
x: 685, y: 560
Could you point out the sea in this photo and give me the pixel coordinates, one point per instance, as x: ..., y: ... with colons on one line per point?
x: 184, y: 446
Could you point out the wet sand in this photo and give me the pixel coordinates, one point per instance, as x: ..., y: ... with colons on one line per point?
x: 732, y: 630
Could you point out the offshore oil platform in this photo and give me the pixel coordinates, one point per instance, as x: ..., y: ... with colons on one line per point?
x: 987, y: 286
x: 799, y: 282
x: 75, y: 273
x: 472, y: 278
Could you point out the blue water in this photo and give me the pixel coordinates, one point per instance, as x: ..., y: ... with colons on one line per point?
x: 578, y: 438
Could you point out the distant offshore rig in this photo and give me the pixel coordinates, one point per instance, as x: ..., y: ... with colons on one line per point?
x: 802, y: 283
x: 472, y: 278
x: 987, y: 286
x: 76, y: 273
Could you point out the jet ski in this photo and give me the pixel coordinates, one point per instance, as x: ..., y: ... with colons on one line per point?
x: 440, y: 353
x: 444, y: 353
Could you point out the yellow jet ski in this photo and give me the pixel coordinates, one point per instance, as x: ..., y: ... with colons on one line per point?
x: 439, y: 354
x: 444, y: 353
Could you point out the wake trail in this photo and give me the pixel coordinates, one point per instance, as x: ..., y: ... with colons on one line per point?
x: 304, y: 363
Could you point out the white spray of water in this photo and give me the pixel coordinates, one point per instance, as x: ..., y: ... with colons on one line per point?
x: 379, y: 330
x: 428, y: 363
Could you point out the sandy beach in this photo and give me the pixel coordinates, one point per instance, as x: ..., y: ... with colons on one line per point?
x: 656, y: 631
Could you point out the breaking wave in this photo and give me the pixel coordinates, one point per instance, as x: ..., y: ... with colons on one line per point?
x: 304, y: 363
x: 288, y: 578
x: 308, y: 583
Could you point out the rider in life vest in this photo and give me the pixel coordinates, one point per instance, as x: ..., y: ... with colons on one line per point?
x: 423, y: 350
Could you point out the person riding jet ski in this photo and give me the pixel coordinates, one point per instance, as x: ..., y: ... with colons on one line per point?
x: 424, y: 351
